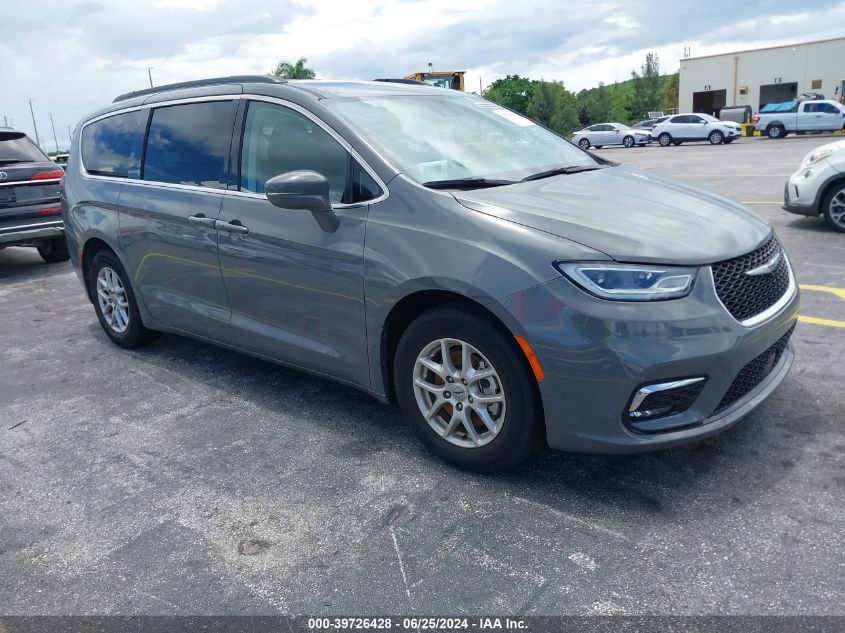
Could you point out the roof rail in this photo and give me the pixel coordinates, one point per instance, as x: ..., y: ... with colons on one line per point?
x: 215, y: 81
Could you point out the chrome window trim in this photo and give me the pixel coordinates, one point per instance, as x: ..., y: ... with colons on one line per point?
x: 772, y: 310
x: 229, y: 192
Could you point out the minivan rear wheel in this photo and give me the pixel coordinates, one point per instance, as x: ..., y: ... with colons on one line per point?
x: 114, y: 303
x: 467, y: 390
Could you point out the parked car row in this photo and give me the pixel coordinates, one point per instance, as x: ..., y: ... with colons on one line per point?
x: 668, y: 130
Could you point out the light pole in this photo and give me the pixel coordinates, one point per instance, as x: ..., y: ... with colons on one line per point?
x: 150, y: 74
x: 52, y: 125
x: 32, y: 112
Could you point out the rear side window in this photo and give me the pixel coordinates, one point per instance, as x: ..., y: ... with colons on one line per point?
x: 189, y: 144
x: 15, y: 147
x: 110, y: 146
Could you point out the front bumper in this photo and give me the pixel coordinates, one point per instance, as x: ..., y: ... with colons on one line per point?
x: 596, y: 354
x: 801, y: 191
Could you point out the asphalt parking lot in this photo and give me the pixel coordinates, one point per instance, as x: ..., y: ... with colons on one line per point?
x: 184, y: 479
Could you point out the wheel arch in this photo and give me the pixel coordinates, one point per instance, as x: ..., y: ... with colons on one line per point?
x: 416, y: 303
x: 825, y: 190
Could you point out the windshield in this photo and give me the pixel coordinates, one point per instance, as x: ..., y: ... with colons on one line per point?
x: 435, y: 138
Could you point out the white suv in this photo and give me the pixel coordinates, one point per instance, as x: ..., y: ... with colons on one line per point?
x: 818, y: 187
x: 695, y: 127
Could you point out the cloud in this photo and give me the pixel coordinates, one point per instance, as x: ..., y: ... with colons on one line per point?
x: 88, y: 51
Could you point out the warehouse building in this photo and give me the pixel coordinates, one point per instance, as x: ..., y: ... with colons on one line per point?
x: 761, y: 76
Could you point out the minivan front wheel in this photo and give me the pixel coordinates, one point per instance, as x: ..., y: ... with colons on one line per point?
x: 467, y: 390
x: 114, y: 303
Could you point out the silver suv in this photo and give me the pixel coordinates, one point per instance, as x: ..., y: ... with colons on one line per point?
x: 431, y: 248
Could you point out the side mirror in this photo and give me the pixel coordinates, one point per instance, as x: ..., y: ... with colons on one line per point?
x: 303, y: 189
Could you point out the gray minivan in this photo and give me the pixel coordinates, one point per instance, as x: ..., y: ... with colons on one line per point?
x: 434, y: 249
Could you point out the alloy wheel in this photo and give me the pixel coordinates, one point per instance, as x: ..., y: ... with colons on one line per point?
x: 111, y: 296
x: 459, y: 393
x: 836, y: 210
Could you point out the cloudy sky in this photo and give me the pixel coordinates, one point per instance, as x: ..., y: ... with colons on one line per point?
x: 71, y: 56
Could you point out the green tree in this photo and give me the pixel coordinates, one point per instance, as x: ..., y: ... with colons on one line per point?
x: 513, y: 92
x: 297, y: 70
x: 620, y: 105
x: 554, y: 106
x: 647, y: 96
x: 671, y: 92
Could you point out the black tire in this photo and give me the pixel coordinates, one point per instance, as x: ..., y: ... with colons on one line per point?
x: 628, y: 141
x: 135, y: 334
x: 584, y: 144
x: 598, y: 146
x: 676, y: 143
x: 775, y: 131
x: 728, y: 141
x: 716, y: 137
x: 522, y: 430
x: 665, y: 139
x: 54, y: 251
x: 837, y: 191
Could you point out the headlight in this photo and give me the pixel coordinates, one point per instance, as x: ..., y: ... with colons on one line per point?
x: 624, y: 282
x: 817, y: 155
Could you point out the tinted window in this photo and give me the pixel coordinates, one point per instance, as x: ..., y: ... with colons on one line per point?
x: 278, y: 140
x: 678, y: 119
x: 827, y: 107
x: 189, y: 144
x: 15, y: 147
x: 693, y: 119
x: 110, y: 146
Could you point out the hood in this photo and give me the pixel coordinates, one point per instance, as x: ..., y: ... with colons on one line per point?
x: 629, y: 215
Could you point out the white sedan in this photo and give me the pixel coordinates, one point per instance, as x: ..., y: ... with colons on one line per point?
x: 818, y: 187
x: 609, y: 134
x: 681, y: 128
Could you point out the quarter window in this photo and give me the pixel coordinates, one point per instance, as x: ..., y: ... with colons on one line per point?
x: 189, y: 144
x: 278, y: 140
x: 110, y: 146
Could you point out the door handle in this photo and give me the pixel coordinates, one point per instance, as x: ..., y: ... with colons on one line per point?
x: 234, y: 226
x: 200, y: 218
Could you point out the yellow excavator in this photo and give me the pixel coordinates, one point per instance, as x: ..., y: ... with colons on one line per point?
x: 453, y: 79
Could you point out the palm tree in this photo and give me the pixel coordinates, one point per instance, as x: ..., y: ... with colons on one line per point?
x: 294, y: 71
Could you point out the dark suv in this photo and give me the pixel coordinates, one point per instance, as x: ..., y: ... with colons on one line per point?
x: 30, y: 214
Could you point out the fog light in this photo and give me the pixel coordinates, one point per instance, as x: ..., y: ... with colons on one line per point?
x: 658, y: 400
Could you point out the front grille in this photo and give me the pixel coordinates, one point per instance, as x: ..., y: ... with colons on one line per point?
x: 754, y: 372
x: 744, y: 295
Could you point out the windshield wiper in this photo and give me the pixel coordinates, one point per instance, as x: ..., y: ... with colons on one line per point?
x: 467, y: 183
x: 562, y: 170
x: 10, y: 161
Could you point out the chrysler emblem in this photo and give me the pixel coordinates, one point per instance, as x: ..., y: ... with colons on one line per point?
x: 765, y: 269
